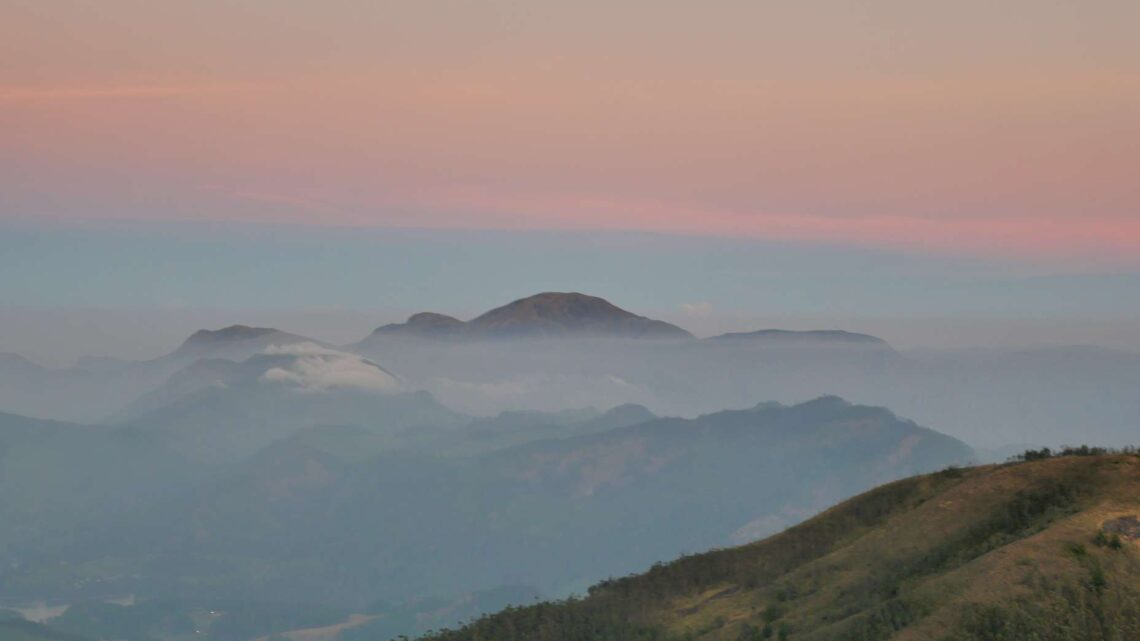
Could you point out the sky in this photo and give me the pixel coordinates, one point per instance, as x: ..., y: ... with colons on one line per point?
x: 137, y: 290
x: 927, y: 144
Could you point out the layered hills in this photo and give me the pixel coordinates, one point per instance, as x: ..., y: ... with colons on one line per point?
x: 359, y: 513
x: 992, y: 398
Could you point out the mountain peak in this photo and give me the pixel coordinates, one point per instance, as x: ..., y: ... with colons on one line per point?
x: 429, y: 319
x: 240, y: 337
x: 228, y: 334
x: 424, y: 324
x: 570, y: 314
x: 545, y: 315
x: 629, y: 411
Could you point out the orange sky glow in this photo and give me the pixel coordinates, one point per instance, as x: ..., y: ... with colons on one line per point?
x: 956, y: 129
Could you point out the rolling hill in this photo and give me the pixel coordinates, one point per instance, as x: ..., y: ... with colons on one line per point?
x: 1046, y: 550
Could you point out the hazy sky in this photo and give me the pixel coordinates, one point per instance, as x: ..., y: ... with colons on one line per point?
x: 135, y: 289
x: 1005, y: 128
x: 960, y: 158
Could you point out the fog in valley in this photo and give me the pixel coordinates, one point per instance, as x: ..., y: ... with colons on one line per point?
x: 996, y: 384
x: 437, y: 468
x: 502, y: 320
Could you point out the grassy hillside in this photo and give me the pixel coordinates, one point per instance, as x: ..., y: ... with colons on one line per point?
x: 1043, y: 550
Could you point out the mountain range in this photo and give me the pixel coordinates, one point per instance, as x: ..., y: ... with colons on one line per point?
x: 98, y: 389
x: 1046, y: 549
x: 816, y: 337
x: 365, y: 513
x: 573, y: 350
x: 253, y: 481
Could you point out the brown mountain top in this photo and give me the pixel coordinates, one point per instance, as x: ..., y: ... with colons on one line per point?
x: 545, y: 315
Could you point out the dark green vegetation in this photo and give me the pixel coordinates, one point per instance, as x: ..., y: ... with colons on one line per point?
x: 995, y: 553
x: 1082, y: 450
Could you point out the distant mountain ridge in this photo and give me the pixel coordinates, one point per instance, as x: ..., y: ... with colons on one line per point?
x: 227, y: 334
x: 306, y: 366
x: 545, y: 315
x: 249, y: 340
x: 100, y: 387
x: 803, y: 337
x: 573, y: 314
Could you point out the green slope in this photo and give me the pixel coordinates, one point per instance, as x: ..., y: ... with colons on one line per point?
x: 1008, y: 552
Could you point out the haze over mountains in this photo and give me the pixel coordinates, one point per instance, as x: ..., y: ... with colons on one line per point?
x: 440, y: 468
x: 572, y: 350
x: 376, y: 511
x: 95, y: 388
x: 993, y: 398
x: 569, y: 321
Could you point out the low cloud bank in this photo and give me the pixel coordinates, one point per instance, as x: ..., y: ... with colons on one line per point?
x: 316, y: 368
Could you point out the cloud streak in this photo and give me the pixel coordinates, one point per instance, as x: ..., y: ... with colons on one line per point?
x: 38, y: 94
